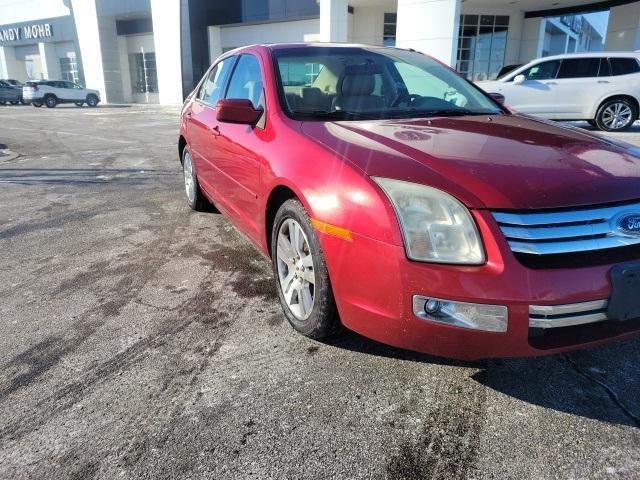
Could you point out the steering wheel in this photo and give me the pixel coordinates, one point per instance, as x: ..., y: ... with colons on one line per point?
x: 410, y: 97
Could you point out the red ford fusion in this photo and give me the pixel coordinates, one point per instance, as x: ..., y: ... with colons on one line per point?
x: 397, y: 199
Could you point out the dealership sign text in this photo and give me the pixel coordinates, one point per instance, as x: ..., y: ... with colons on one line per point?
x: 40, y: 30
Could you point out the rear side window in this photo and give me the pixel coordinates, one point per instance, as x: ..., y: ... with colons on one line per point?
x: 579, y: 68
x: 624, y: 66
x: 542, y: 71
x: 212, y: 88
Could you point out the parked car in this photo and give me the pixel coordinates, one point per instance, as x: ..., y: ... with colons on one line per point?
x: 12, y: 81
x: 53, y: 92
x: 399, y: 200
x: 602, y: 88
x: 9, y: 93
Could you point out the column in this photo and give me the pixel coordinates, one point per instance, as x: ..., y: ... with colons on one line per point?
x: 215, y: 43
x: 86, y: 20
x: 368, y: 25
x: 532, y: 41
x: 429, y: 26
x: 623, y: 31
x: 9, y: 66
x: 49, y: 60
x: 334, y: 21
x: 166, y: 37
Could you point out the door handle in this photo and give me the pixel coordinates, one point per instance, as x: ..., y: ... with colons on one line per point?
x: 550, y: 83
x: 603, y: 81
x: 215, y: 130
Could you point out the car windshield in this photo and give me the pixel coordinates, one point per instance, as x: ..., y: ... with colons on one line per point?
x: 355, y: 83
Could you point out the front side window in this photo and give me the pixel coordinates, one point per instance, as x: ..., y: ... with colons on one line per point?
x: 356, y: 82
x: 542, y: 71
x: 579, y: 68
x: 212, y: 88
x: 624, y: 66
x: 246, y: 81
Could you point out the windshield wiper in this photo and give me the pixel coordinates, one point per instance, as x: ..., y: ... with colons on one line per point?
x: 333, y: 115
x: 445, y: 112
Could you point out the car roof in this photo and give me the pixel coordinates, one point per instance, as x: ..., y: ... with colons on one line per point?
x: 590, y: 54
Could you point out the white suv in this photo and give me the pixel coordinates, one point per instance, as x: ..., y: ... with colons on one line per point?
x: 602, y: 88
x: 53, y: 92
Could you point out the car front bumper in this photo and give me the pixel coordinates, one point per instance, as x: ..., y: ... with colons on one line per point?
x: 375, y: 285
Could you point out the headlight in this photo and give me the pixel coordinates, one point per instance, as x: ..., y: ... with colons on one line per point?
x: 436, y: 227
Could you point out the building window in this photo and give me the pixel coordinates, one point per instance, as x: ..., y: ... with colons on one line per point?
x: 144, y: 77
x: 389, y: 29
x: 69, y: 68
x: 482, y: 43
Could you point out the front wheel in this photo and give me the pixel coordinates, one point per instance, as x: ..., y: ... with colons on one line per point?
x: 616, y: 115
x: 92, y: 100
x: 301, y: 275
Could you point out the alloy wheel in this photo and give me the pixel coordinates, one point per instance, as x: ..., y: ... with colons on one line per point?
x: 617, y: 115
x: 189, y: 181
x: 295, y: 269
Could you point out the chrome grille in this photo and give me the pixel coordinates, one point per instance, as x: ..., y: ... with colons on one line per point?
x: 582, y: 230
x: 554, y: 316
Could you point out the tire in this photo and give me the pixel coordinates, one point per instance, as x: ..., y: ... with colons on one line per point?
x: 195, y: 197
x: 616, y: 115
x: 92, y: 100
x: 15, y: 102
x: 79, y: 104
x: 22, y: 101
x: 308, y: 305
x: 36, y: 104
x: 2, y: 102
x: 50, y: 101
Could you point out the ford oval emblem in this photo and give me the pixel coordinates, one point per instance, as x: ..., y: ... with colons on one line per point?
x: 629, y: 224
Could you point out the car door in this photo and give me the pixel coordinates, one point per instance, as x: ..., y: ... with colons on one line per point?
x: 239, y: 158
x: 202, y: 125
x: 537, y: 94
x: 580, y: 82
x: 75, y: 92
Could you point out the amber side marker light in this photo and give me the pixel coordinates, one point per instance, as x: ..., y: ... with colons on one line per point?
x: 332, y: 229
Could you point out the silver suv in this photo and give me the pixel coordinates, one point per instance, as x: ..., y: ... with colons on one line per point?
x: 53, y: 92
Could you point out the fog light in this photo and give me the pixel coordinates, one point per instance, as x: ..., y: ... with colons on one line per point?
x: 477, y: 316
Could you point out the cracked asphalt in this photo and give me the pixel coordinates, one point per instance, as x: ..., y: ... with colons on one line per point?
x: 139, y: 339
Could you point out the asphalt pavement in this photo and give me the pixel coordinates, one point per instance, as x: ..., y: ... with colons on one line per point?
x: 139, y: 339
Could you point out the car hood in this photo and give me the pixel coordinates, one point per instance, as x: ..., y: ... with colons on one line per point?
x: 495, y: 162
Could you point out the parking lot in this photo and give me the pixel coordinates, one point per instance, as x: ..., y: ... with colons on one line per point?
x: 139, y: 339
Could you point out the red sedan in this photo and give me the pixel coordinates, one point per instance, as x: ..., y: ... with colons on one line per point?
x: 399, y: 200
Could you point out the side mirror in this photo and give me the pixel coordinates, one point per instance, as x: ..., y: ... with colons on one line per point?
x: 498, y: 97
x: 237, y: 110
x: 519, y: 79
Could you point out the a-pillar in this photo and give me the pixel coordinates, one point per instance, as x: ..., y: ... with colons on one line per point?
x: 166, y: 38
x: 429, y: 26
x: 623, y: 31
x: 334, y: 21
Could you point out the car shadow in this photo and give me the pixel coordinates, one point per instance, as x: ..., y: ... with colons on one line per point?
x: 600, y: 383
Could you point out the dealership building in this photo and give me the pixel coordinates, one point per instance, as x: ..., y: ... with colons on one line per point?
x: 154, y: 51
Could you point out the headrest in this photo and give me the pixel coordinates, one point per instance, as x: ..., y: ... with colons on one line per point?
x: 312, y: 94
x: 360, y: 84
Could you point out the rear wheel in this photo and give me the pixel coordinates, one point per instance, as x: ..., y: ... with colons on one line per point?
x: 79, y: 104
x: 195, y: 198
x: 301, y: 275
x: 92, y: 100
x: 50, y: 101
x: 616, y: 115
x: 15, y: 102
x: 2, y: 102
